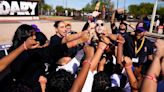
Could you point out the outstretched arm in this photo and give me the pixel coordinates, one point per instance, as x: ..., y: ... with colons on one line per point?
x: 73, y: 37
x: 150, y: 81
x: 132, y: 79
x: 80, y: 40
x: 80, y: 80
x: 28, y: 44
x: 97, y: 56
x: 120, y: 49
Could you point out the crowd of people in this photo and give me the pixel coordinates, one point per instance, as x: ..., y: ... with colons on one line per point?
x: 92, y: 60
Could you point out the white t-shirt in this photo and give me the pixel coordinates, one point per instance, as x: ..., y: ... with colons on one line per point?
x: 88, y: 82
x: 74, y: 64
x: 115, y: 80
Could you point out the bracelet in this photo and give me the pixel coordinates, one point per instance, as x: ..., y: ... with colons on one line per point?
x: 86, y: 62
x: 101, y: 48
x: 127, y: 67
x: 24, y: 45
x: 88, y: 42
x: 151, y: 77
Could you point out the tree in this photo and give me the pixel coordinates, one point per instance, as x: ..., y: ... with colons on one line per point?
x: 142, y: 9
x: 46, y: 7
x: 90, y: 7
x: 70, y: 9
x: 160, y: 11
x: 134, y: 10
x: 41, y: 3
x: 59, y: 8
x: 146, y: 8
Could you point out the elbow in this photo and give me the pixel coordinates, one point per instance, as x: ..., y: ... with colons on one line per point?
x: 2, y: 68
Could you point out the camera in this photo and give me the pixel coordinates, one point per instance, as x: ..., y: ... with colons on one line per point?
x: 120, y: 17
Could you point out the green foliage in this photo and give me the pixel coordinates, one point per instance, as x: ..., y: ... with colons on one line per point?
x: 160, y: 11
x: 59, y: 8
x: 46, y: 7
x: 70, y: 9
x: 144, y: 9
x: 91, y: 6
x: 134, y: 10
x: 88, y: 8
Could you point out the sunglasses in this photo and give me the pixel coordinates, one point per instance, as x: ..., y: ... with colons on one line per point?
x: 99, y: 24
x: 122, y: 29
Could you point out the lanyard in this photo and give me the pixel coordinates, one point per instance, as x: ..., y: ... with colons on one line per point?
x: 140, y: 47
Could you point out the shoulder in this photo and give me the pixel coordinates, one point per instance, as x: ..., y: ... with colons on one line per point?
x: 149, y: 45
x: 55, y: 40
x: 148, y: 42
x: 55, y: 37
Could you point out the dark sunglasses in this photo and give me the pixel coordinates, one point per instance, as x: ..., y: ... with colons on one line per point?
x: 101, y: 24
x: 122, y: 29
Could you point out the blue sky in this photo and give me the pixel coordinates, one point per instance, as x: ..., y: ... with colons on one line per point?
x: 78, y: 4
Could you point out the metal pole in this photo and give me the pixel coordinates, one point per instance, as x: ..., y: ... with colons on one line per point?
x: 117, y: 3
x: 41, y: 11
x: 153, y: 16
x: 124, y: 5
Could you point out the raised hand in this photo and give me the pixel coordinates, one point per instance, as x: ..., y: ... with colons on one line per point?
x: 30, y: 43
x: 92, y: 25
x: 89, y: 51
x: 95, y: 13
x: 85, y: 37
x: 160, y: 48
x: 128, y: 62
x: 102, y: 45
x: 120, y: 39
x: 105, y: 39
x: 43, y: 82
x: 120, y: 10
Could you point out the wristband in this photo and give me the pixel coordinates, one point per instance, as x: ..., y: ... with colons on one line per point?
x: 151, y: 77
x: 101, y: 48
x: 24, y: 45
x: 86, y: 62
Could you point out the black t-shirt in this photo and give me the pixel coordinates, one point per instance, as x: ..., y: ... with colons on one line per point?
x: 56, y: 44
x: 115, y: 30
x: 129, y: 48
x: 27, y: 68
x: 146, y: 50
x: 56, y: 49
